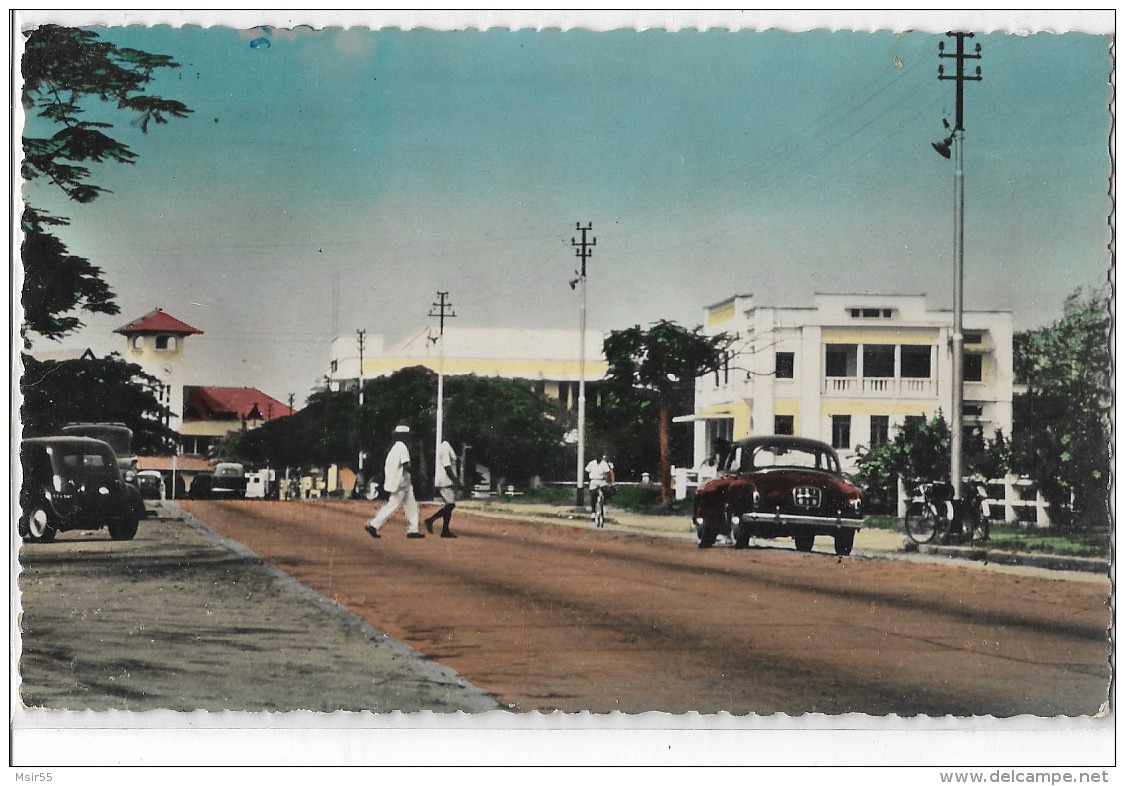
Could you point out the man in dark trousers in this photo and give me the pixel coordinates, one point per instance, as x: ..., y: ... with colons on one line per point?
x: 445, y: 485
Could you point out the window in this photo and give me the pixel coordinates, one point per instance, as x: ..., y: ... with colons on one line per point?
x: 870, y: 313
x: 841, y: 431
x: 840, y: 360
x: 915, y: 361
x: 973, y: 338
x: 880, y: 430
x: 914, y: 421
x: 783, y: 424
x: 138, y: 342
x: 879, y: 360
x: 972, y: 410
x: 973, y: 367
x: 783, y: 366
x: 166, y: 342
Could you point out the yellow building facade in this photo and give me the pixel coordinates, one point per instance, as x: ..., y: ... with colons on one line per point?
x: 551, y: 361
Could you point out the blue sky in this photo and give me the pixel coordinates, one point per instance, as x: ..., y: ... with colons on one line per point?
x: 335, y: 180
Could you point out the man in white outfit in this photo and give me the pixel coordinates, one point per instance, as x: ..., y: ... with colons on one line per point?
x: 399, y: 485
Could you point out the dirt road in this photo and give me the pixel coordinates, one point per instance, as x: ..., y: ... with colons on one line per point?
x: 554, y: 617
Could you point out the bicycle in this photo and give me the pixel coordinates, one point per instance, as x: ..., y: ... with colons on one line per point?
x: 599, y: 506
x: 934, y: 515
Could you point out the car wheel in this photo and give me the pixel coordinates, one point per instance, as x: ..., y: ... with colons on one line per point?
x: 124, y: 528
x: 36, y: 527
x: 804, y: 540
x: 844, y: 541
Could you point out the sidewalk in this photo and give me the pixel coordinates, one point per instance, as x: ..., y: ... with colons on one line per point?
x: 868, y: 542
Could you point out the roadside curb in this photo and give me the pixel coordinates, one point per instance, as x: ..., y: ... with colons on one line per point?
x: 1047, y: 561
x: 442, y: 677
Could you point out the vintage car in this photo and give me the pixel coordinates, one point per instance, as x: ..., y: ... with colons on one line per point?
x: 151, y: 484
x: 779, y: 487
x: 117, y: 435
x: 74, y: 483
x: 228, y: 480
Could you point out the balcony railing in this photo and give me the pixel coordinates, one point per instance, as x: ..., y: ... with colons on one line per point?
x: 880, y: 387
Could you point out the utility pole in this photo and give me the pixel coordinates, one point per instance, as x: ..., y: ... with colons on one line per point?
x: 957, y: 139
x: 361, y: 481
x: 582, y: 250
x: 441, y: 315
x: 359, y: 375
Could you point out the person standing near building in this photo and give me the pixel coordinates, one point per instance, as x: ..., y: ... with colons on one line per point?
x: 445, y: 485
x: 399, y: 484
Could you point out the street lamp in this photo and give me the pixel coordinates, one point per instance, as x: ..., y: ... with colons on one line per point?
x: 582, y: 250
x: 953, y: 147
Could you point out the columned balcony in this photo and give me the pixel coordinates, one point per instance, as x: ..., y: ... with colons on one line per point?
x: 879, y: 387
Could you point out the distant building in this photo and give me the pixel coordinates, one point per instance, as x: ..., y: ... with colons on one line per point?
x: 548, y: 359
x: 211, y: 413
x: 849, y: 370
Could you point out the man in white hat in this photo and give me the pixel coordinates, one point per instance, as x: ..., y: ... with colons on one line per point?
x: 400, y: 487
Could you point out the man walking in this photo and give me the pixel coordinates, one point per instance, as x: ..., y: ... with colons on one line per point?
x: 400, y: 486
x: 446, y: 485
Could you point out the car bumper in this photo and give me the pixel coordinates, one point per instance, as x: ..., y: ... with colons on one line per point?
x: 778, y: 520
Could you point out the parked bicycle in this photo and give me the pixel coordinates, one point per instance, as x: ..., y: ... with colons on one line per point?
x: 934, y: 516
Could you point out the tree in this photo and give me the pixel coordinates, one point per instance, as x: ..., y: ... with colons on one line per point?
x: 106, y: 390
x: 920, y: 451
x: 63, y: 70
x: 508, y: 426
x: 650, y: 368
x: 1062, y: 423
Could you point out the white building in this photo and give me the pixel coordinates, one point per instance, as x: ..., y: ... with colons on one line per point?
x: 849, y: 370
x: 551, y: 360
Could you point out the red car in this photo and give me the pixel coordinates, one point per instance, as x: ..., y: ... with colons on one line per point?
x: 779, y: 487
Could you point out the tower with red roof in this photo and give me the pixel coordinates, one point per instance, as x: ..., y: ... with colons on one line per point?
x: 155, y: 342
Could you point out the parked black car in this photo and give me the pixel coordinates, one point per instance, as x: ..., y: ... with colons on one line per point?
x: 74, y: 483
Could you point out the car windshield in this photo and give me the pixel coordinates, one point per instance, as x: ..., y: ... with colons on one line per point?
x: 118, y: 437
x: 75, y: 463
x: 788, y: 455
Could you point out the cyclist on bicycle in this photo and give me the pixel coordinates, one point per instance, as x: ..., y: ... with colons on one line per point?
x: 601, y: 476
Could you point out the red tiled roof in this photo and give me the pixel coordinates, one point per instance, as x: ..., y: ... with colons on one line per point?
x: 158, y: 321
x: 203, y: 403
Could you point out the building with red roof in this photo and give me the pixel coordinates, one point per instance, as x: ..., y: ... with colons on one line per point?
x: 210, y: 413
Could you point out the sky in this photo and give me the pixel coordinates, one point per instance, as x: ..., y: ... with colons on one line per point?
x: 336, y: 179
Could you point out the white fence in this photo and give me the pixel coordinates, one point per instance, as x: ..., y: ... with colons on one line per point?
x: 1012, y: 499
x: 686, y: 478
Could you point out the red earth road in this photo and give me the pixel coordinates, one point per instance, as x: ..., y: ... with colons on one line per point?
x: 549, y: 617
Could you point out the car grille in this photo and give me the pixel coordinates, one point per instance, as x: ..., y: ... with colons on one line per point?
x: 806, y: 497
